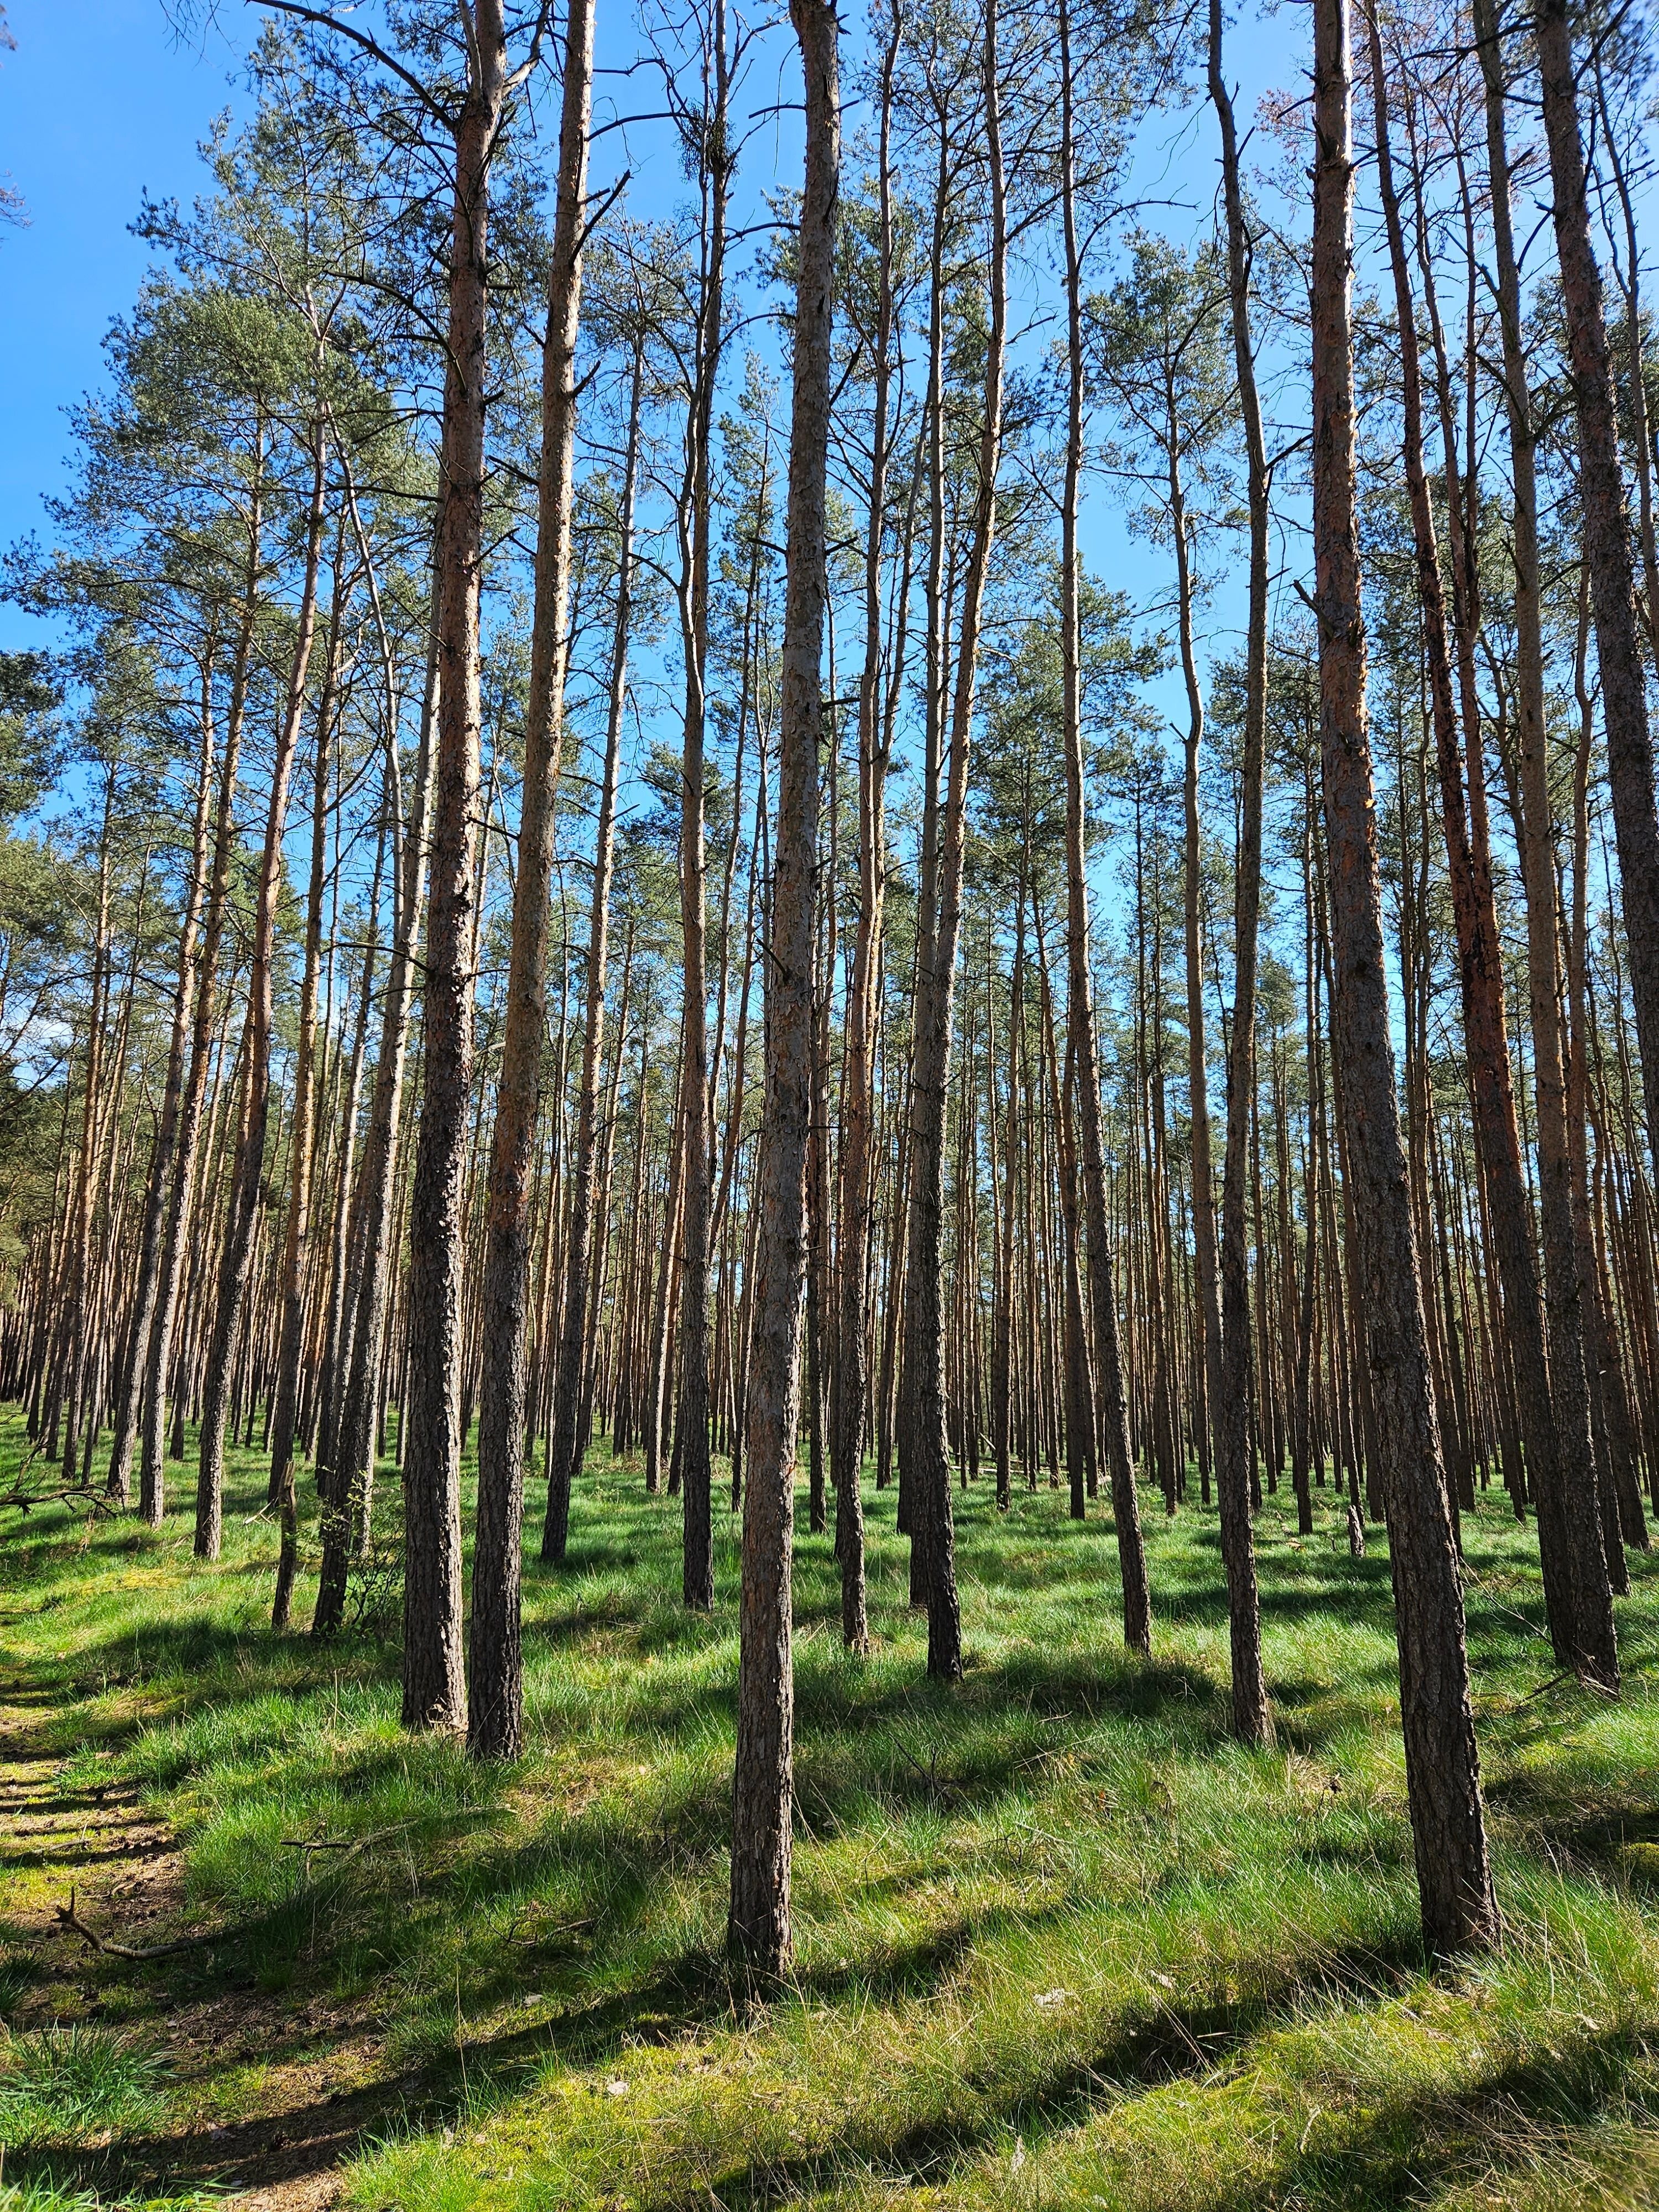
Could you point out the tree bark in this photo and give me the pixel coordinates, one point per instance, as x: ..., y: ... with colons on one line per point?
x: 1553, y: 1406
x: 120, y: 1484
x: 850, y: 1387
x: 1252, y: 1712
x: 247, y: 1169
x: 697, y: 1126
x: 302, y: 1143
x: 758, y: 1927
x: 345, y: 1491
x: 1443, y: 1772
x: 925, y: 1461
x: 1112, y: 1425
x: 495, y: 1666
x: 1607, y: 542
x: 564, y: 1455
x: 433, y: 1686
x: 152, y: 1476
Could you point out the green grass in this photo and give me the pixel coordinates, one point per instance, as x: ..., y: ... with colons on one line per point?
x: 42, y: 2194
x: 66, y: 2084
x: 46, y: 2196
x: 1059, y: 1940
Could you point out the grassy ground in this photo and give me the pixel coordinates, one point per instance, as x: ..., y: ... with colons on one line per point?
x: 1059, y: 1941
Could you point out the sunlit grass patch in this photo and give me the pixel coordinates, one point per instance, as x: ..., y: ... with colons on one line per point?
x: 41, y: 2193
x: 68, y: 2085
x: 1431, y: 2094
x: 1059, y: 1940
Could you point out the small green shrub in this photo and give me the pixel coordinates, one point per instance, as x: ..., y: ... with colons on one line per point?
x: 65, y: 2084
x: 46, y: 2196
x: 375, y: 1589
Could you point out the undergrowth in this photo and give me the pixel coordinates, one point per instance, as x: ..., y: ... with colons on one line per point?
x: 66, y: 2084
x: 1059, y: 1940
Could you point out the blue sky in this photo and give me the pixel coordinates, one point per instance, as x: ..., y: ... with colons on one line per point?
x: 98, y: 104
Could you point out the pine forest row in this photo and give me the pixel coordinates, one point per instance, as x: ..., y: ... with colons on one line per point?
x: 595, y: 866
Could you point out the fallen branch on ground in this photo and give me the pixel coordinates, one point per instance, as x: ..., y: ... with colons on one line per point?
x: 1567, y: 1675
x: 70, y: 1919
x: 346, y: 1844
x: 24, y: 1501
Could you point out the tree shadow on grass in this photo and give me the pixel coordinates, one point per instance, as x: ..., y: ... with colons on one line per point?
x: 1398, y: 2151
x: 1367, y: 1602
x: 1082, y: 1685
x: 1371, y: 2153
x: 1154, y: 2040
x: 697, y: 1987
x: 73, y: 1854
x: 1378, y: 2153
x: 898, y: 1749
x: 1089, y: 1686
x: 292, y: 2147
x: 1618, y: 1838
x: 559, y: 1626
x: 210, y: 1661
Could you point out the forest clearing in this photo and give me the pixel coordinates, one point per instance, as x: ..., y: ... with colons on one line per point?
x: 830, y: 1115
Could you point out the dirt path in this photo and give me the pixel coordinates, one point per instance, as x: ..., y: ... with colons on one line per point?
x: 276, y: 2089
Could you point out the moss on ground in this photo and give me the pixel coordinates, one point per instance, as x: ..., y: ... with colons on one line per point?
x: 1059, y: 1940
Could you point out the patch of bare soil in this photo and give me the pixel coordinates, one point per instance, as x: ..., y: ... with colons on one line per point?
x: 278, y: 2088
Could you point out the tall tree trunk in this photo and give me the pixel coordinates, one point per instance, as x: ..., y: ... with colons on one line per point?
x: 1606, y: 541
x: 661, y: 1312
x: 72, y: 1317
x: 433, y: 1686
x: 758, y: 1927
x: 339, y: 1315
x: 1206, y: 1265
x: 1252, y: 1713
x: 247, y: 1171
x: 345, y: 1482
x: 923, y: 1421
x: 1002, y: 1336
x: 302, y: 1142
x: 1443, y: 1772
x: 1603, y: 1358
x: 912, y: 1521
x: 1635, y: 338
x: 565, y: 1446
x: 1575, y: 1583
x: 147, y: 1286
x: 850, y: 1387
x: 159, y: 1357
x: 1112, y: 1425
x: 495, y: 1666
x: 691, y: 1423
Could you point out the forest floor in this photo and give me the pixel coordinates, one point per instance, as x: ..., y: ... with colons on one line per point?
x: 1060, y: 1942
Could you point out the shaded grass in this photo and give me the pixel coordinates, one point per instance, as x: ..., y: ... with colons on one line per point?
x: 1059, y: 1940
x: 41, y: 2193
x: 65, y: 2084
